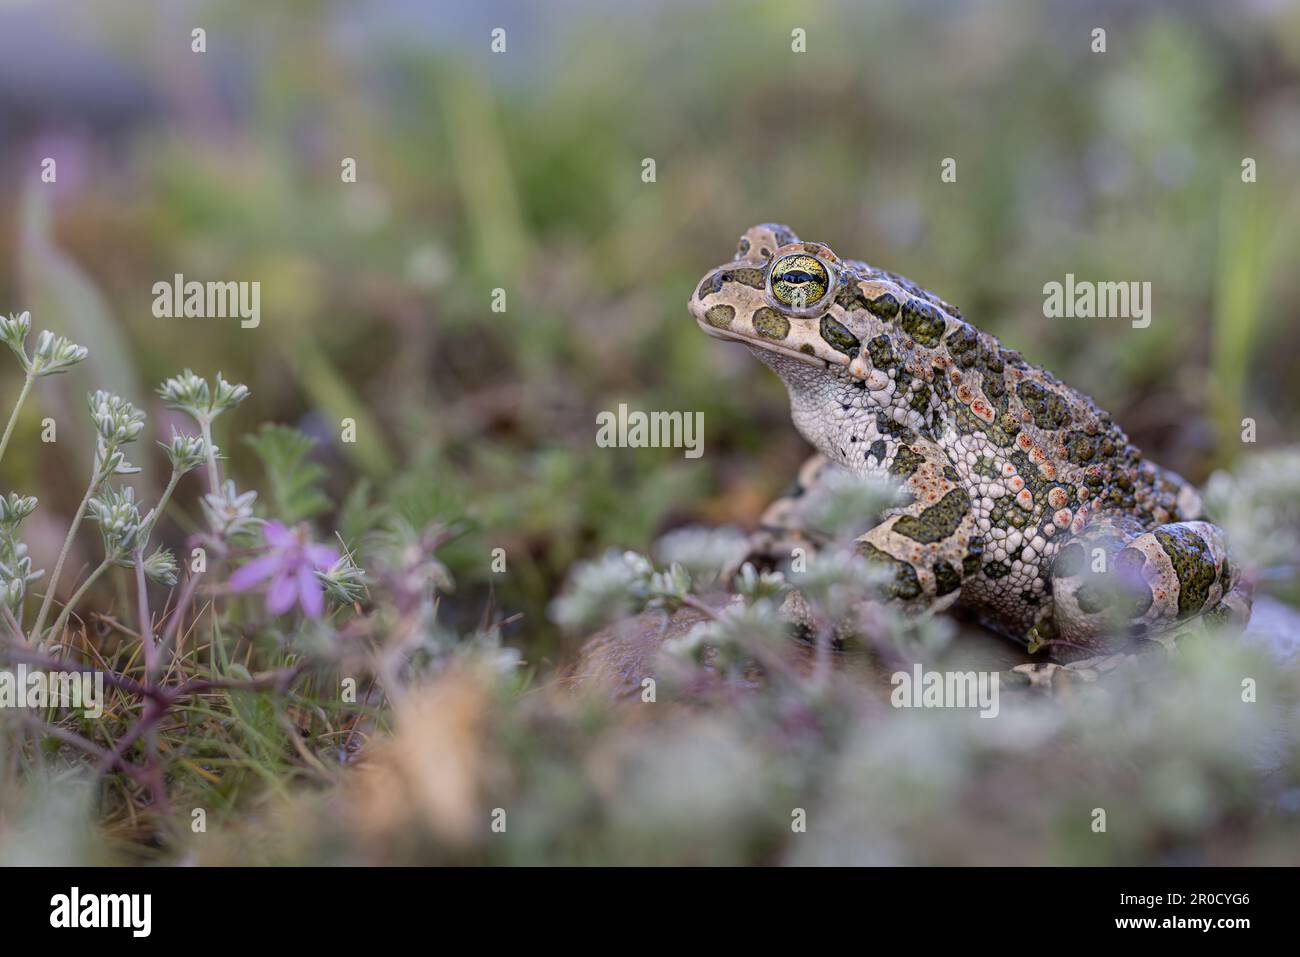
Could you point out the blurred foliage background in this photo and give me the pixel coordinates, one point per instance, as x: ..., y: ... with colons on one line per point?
x: 522, y: 170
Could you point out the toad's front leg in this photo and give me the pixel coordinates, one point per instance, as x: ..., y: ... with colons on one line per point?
x: 922, y: 545
x: 786, y: 528
x: 927, y: 543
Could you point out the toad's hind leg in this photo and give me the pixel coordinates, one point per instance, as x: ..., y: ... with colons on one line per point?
x: 1115, y: 582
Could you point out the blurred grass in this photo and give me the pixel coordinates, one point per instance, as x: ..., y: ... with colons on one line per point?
x: 1253, y: 230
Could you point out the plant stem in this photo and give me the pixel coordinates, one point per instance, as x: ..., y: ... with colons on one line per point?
x: 178, y: 614
x: 142, y: 540
x: 13, y: 623
x: 278, y: 680
x: 214, y: 476
x: 146, y: 619
x: 57, y: 628
x: 13, y: 417
x: 63, y: 553
x: 147, y: 530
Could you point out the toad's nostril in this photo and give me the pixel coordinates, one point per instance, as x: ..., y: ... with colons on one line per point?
x: 710, y: 284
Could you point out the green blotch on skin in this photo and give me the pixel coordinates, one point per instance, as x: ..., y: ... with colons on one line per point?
x: 884, y: 306
x: 886, y: 425
x: 1083, y: 448
x: 937, y: 522
x: 905, y: 461
x: 940, y: 385
x: 1080, y: 447
x: 1069, y: 561
x: 923, y: 322
x: 881, y: 352
x: 1193, y: 564
x: 1011, y: 358
x: 770, y: 324
x: 747, y: 276
x: 1034, y: 480
x: 1010, y: 427
x: 849, y: 296
x: 1090, y: 598
x: 946, y: 578
x: 996, y: 392
x: 906, y: 585
x: 1049, y: 410
x: 720, y: 316
x: 920, y: 401
x: 970, y: 565
x: 961, y: 345
x: 839, y: 338
x: 997, y: 570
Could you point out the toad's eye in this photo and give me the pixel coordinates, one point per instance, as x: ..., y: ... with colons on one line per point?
x: 799, y: 281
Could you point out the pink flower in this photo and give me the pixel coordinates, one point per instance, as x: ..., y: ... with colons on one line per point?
x: 291, y: 562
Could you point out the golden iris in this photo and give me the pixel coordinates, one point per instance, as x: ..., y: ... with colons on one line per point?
x: 799, y: 281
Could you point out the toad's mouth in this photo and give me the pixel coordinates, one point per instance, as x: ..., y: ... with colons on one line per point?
x: 767, y: 344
